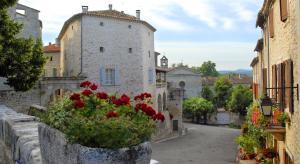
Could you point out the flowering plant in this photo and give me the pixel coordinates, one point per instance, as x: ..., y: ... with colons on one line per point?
x: 96, y: 119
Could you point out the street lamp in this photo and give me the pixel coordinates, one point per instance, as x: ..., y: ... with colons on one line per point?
x: 266, y: 105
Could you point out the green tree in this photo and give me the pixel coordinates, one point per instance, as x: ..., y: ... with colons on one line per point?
x: 207, y: 93
x: 21, y: 60
x: 198, y: 107
x: 222, y: 89
x: 240, y: 99
x: 208, y: 69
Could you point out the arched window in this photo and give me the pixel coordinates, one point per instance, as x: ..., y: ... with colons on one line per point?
x: 159, y: 103
x: 164, y: 101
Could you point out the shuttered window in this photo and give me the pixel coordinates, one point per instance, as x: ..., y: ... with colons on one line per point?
x: 280, y: 79
x: 271, y: 23
x: 150, y: 76
x: 265, y: 82
x: 289, y: 82
x: 274, y: 82
x: 283, y: 10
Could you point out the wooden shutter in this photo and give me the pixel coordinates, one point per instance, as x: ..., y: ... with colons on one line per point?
x: 265, y: 80
x: 283, y: 10
x: 279, y: 85
x: 289, y: 82
x: 117, y: 76
x: 102, y: 76
x: 274, y: 82
x: 271, y: 23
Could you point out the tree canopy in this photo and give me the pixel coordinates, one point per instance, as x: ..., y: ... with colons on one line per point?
x: 207, y: 69
x: 207, y: 93
x: 222, y: 89
x: 198, y: 107
x: 240, y: 99
x: 21, y: 60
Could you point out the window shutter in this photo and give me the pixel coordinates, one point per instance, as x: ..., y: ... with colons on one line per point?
x: 283, y: 10
x: 289, y: 83
x: 117, y: 76
x: 150, y: 76
x: 274, y: 82
x: 271, y: 23
x: 265, y: 80
x: 102, y: 76
x: 279, y: 85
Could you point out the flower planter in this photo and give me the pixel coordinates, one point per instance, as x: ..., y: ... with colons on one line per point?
x: 247, y: 161
x: 55, y: 149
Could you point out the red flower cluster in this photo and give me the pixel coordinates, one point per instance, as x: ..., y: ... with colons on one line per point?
x: 93, y: 87
x: 102, y: 95
x: 79, y: 104
x: 112, y: 114
x: 140, y: 106
x: 87, y: 92
x: 159, y: 116
x: 123, y: 100
x: 75, y: 96
x: 255, y: 115
x: 85, y: 84
x: 142, y: 96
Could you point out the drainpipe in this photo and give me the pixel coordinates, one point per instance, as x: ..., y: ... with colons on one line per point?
x: 81, y: 46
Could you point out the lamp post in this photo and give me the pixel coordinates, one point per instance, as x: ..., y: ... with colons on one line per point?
x: 266, y: 106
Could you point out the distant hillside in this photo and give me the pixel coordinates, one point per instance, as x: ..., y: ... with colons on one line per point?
x: 238, y: 71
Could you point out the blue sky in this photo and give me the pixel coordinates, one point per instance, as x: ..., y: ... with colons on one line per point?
x: 190, y: 31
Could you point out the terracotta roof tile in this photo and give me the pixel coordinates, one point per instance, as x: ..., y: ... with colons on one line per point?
x: 51, y: 48
x: 233, y: 79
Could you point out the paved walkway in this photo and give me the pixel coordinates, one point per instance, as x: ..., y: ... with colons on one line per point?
x: 202, y: 145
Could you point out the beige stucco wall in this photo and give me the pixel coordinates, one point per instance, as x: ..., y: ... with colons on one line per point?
x: 281, y: 47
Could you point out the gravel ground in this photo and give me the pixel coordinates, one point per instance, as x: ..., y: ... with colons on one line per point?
x: 202, y: 145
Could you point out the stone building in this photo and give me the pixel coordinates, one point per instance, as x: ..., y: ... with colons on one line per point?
x: 29, y: 17
x: 53, y: 66
x: 111, y: 48
x: 186, y: 79
x: 277, y: 66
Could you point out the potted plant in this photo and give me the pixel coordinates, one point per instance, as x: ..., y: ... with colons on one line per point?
x: 94, y: 127
x: 282, y: 118
x: 246, y: 152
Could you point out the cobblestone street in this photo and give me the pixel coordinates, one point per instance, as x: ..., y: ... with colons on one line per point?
x: 202, y: 145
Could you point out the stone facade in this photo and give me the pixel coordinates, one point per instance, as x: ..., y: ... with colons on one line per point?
x: 281, y: 43
x: 53, y: 65
x: 185, y: 78
x: 29, y: 17
x: 91, y: 43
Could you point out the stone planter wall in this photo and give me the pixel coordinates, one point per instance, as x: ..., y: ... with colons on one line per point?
x: 55, y: 149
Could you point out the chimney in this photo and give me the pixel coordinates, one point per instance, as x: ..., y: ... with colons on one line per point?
x: 138, y: 14
x: 85, y: 9
x: 110, y: 6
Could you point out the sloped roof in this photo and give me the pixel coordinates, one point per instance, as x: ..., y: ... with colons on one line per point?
x: 254, y: 61
x: 51, y: 48
x: 235, y: 80
x: 183, y: 68
x: 105, y: 14
x: 259, y: 45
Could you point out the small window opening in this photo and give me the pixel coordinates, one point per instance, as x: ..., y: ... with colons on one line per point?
x: 129, y: 26
x: 130, y: 50
x: 149, y: 54
x: 51, y: 58
x: 101, y: 49
x: 101, y: 24
x: 20, y: 11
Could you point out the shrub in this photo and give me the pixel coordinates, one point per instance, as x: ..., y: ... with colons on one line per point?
x: 96, y: 119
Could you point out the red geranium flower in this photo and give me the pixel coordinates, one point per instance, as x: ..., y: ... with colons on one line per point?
x: 112, y: 114
x: 93, y: 87
x: 146, y: 95
x: 113, y: 97
x: 79, y: 104
x: 160, y: 116
x: 87, y: 92
x: 117, y: 102
x: 102, y: 95
x: 141, y: 106
x: 137, y: 97
x: 85, y: 83
x: 125, y: 99
x: 149, y: 111
x: 75, y: 96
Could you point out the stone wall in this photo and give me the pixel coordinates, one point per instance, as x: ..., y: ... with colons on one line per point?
x: 20, y: 101
x: 50, y: 65
x: 18, y: 137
